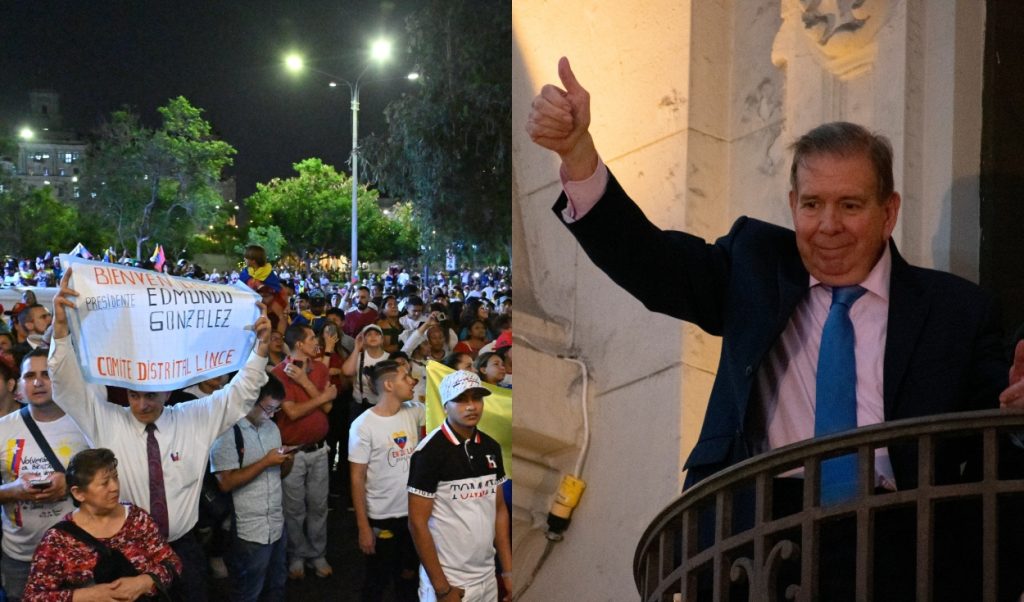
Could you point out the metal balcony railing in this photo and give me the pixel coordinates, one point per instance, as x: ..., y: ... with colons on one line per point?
x: 726, y: 538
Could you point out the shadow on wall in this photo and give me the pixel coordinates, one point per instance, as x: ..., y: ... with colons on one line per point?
x: 526, y: 300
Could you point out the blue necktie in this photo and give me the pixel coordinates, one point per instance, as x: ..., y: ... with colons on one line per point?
x: 836, y: 398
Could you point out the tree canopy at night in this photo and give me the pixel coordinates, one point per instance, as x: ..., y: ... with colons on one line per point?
x: 156, y: 185
x: 448, y: 144
x: 35, y: 222
x: 313, y: 213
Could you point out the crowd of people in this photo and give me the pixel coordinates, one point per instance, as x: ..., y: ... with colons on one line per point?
x: 103, y: 489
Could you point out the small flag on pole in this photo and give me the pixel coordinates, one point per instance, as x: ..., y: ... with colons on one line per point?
x: 158, y: 258
x: 81, y: 251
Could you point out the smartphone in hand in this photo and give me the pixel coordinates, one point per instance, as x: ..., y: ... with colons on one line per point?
x: 39, y: 483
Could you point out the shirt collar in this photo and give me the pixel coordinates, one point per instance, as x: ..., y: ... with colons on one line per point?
x: 161, y: 422
x: 877, y: 281
x: 453, y: 437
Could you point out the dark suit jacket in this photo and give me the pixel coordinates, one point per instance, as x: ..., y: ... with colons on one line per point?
x: 942, y: 351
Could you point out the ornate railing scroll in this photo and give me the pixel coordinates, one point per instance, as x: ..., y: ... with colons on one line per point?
x: 722, y: 539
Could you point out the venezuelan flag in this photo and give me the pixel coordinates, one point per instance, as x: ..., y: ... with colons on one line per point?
x: 496, y: 420
x: 158, y: 258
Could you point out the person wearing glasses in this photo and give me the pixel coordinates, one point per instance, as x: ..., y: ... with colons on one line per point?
x: 256, y: 558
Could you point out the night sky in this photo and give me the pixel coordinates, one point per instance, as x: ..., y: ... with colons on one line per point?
x: 225, y: 57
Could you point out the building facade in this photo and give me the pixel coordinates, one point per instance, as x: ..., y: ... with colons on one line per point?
x: 48, y: 155
x: 694, y: 105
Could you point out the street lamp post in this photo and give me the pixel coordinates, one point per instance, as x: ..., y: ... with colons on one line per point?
x: 354, y: 89
x: 380, y: 51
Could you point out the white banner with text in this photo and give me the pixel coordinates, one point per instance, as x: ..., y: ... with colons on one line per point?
x: 148, y: 331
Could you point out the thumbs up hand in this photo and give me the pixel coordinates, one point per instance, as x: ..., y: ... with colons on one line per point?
x: 560, y: 121
x: 1013, y: 396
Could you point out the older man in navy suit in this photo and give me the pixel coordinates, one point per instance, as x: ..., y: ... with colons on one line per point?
x: 924, y: 342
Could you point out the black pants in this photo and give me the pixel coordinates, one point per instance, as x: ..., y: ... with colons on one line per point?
x: 395, y: 561
x: 191, y: 586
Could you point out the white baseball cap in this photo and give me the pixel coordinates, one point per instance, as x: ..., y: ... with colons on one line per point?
x: 370, y: 327
x: 459, y: 382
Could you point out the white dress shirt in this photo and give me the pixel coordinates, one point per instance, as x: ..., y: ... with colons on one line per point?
x: 185, y: 432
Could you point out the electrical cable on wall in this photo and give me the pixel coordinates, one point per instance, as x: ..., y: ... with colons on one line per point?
x: 571, y: 487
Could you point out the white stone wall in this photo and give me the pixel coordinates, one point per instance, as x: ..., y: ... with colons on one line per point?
x: 694, y: 104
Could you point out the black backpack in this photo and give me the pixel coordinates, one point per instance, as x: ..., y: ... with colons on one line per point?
x: 215, y: 505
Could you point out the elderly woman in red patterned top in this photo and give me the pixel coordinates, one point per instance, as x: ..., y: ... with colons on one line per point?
x: 67, y: 566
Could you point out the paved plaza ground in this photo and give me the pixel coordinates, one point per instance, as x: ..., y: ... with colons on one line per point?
x: 342, y: 553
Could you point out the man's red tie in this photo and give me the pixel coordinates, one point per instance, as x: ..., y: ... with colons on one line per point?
x: 157, y: 496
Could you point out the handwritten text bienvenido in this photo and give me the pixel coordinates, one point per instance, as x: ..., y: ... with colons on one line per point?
x: 162, y: 292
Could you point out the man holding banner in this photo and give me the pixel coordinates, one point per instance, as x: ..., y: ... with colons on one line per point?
x: 145, y: 331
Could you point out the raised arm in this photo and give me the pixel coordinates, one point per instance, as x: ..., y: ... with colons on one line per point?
x: 560, y: 121
x: 351, y: 364
x: 221, y: 409
x: 70, y: 391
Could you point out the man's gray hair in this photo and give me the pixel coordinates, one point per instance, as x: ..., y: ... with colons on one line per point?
x: 844, y: 139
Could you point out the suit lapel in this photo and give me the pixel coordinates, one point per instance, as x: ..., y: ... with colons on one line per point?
x: 793, y: 285
x: 908, y: 310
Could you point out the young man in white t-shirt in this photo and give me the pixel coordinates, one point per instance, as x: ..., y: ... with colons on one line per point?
x: 33, y: 494
x: 381, y: 440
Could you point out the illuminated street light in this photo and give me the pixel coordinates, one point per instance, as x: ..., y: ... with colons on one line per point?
x: 380, y: 51
x: 412, y: 76
x: 294, y: 63
x: 26, y: 133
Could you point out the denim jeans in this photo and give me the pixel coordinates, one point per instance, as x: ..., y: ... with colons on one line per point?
x: 258, y: 571
x: 15, y: 576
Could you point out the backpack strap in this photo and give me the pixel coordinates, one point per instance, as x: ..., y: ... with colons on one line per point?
x: 82, y: 535
x: 239, y: 443
x: 33, y: 428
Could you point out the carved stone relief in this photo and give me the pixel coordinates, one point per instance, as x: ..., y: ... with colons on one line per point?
x: 840, y: 34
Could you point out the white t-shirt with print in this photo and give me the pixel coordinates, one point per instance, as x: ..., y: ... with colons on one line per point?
x: 24, y: 523
x: 384, y: 444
